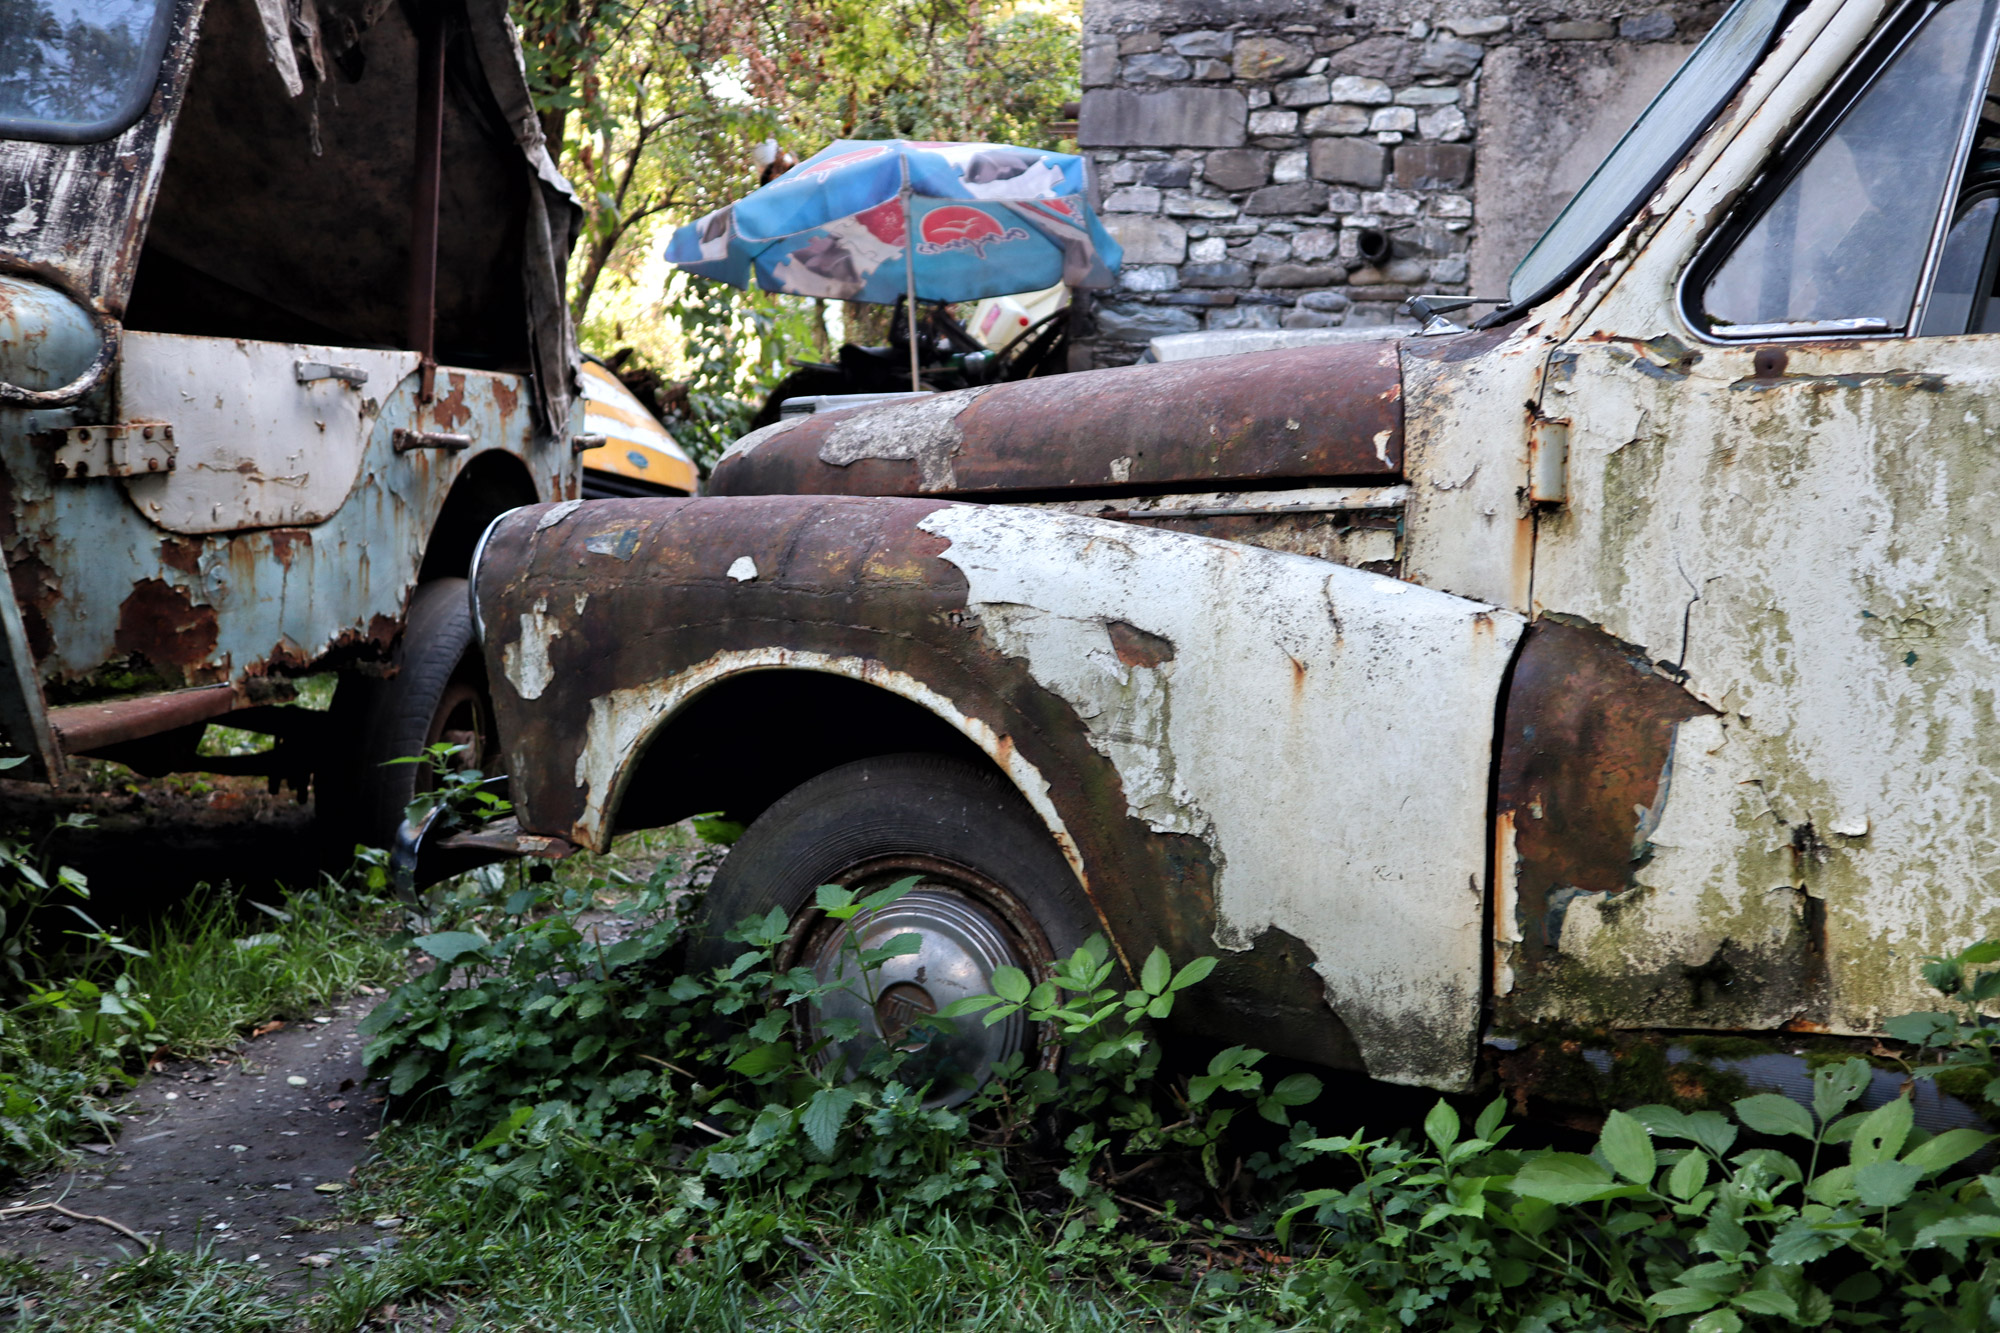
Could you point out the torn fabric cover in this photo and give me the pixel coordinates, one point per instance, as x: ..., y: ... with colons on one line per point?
x: 300, y: 40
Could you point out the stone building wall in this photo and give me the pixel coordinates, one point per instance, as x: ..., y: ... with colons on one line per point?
x: 1291, y: 164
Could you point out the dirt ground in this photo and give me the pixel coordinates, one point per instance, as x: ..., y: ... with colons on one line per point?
x: 248, y: 1156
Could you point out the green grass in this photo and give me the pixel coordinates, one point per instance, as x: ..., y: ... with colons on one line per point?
x: 206, y: 975
x: 591, y: 1265
x: 216, y: 971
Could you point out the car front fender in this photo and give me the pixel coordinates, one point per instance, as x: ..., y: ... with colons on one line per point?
x: 1239, y: 750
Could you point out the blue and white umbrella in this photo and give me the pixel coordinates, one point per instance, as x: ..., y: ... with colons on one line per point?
x: 990, y: 220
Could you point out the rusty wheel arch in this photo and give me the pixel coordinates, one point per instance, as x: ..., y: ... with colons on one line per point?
x: 747, y: 739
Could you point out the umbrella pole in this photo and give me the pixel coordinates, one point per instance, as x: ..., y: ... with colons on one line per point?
x: 910, y: 274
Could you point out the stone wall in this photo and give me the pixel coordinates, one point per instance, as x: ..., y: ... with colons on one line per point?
x: 1288, y: 164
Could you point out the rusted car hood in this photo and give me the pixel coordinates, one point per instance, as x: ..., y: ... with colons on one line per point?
x: 1252, y: 420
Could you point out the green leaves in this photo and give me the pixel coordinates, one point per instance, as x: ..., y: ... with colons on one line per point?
x: 1566, y: 1177
x: 1627, y: 1146
x: 1880, y: 1135
x: 824, y: 1115
x: 1769, y: 1113
x: 448, y: 946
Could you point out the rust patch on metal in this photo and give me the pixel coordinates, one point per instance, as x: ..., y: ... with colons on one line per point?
x: 1138, y: 648
x: 1585, y: 745
x: 181, y: 555
x: 162, y: 624
x: 505, y: 396
x: 450, y: 411
x: 1306, y: 412
x: 286, y: 543
x: 37, y: 590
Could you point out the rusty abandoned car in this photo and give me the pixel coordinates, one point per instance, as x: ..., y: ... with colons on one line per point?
x: 282, y: 328
x: 1624, y: 665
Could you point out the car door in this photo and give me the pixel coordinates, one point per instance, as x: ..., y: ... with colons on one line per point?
x: 1784, y: 485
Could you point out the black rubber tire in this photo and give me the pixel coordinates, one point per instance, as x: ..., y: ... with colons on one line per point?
x: 438, y: 677
x: 921, y: 805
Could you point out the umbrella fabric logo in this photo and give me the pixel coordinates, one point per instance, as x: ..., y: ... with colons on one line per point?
x: 956, y: 227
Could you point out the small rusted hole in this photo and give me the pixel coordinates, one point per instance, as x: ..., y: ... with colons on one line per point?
x: 1769, y: 363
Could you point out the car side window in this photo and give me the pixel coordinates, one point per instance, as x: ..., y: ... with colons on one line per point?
x: 1839, y: 238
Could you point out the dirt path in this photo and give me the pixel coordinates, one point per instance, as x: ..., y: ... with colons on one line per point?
x: 249, y: 1155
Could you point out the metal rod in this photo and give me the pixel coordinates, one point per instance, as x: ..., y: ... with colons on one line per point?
x: 422, y: 306
x: 1246, y: 511
x: 910, y: 273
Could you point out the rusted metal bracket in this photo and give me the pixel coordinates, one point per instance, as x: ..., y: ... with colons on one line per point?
x: 129, y: 448
x: 583, y: 444
x: 505, y: 837
x: 406, y: 440
x: 310, y: 372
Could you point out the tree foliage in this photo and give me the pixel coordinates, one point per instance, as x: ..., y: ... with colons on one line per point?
x: 657, y: 105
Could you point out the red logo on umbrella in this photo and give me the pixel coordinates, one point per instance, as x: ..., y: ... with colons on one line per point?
x: 884, y: 222
x: 956, y: 227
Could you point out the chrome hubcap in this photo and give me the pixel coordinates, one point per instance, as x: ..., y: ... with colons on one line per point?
x: 962, y: 944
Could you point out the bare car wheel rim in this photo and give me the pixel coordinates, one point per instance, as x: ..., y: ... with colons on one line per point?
x: 963, y: 941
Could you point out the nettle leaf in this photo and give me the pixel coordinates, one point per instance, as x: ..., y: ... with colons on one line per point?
x: 1767, y: 1302
x: 1782, y: 1166
x: 772, y: 1122
x: 1837, y: 1085
x: 1158, y: 971
x: 1947, y: 1149
x: 1441, y: 1126
x: 1977, y: 1226
x: 1928, y: 1028
x: 1688, y: 1176
x: 1683, y: 1300
x: 1797, y: 1243
x: 1718, y: 1321
x: 1010, y: 983
x: 1885, y: 1184
x: 407, y: 1072
x: 1832, y: 1187
x: 1880, y: 1137
x: 1566, y: 1177
x: 1769, y: 1113
x: 1980, y: 954
x: 763, y: 1059
x: 824, y: 1115
x: 1626, y: 1145
x: 1488, y: 1125
x: 448, y: 946
x: 1296, y: 1090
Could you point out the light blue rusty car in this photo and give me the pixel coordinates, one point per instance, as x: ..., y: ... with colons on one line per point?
x: 282, y: 328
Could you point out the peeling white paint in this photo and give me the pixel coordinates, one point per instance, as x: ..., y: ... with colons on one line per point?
x: 556, y: 514
x: 525, y: 662
x: 743, y: 569
x: 1325, y: 732
x: 923, y: 430
x: 1121, y: 469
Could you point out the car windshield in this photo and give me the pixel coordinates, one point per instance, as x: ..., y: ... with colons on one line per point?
x: 74, y: 71
x: 1635, y: 168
